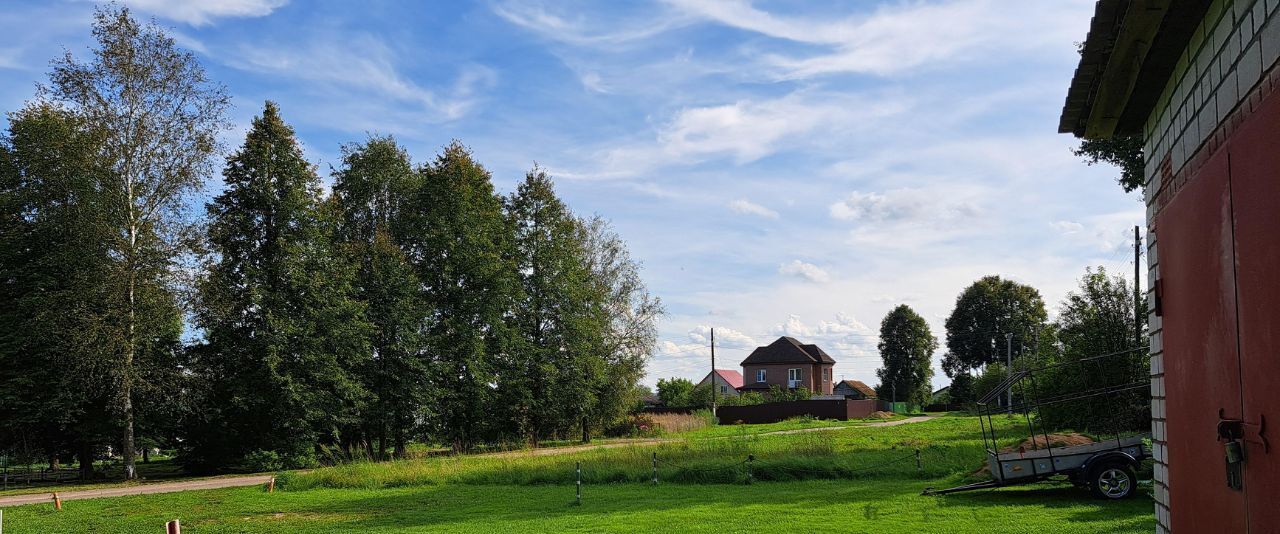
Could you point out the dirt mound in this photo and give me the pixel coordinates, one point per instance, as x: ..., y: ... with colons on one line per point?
x: 1038, y: 442
x: 880, y: 415
x: 1055, y: 440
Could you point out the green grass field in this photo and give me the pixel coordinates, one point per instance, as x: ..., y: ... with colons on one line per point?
x: 849, y: 480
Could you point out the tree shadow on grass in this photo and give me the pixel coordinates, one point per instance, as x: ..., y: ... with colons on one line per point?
x: 643, y: 507
x: 1087, y: 507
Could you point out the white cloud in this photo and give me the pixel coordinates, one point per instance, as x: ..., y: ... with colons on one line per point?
x: 900, y: 204
x: 746, y: 131
x: 748, y: 207
x: 202, y: 12
x: 807, y: 271
x: 1067, y: 227
x: 893, y: 38
x: 725, y: 337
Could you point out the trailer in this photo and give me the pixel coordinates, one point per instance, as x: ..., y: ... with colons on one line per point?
x: 1106, y: 467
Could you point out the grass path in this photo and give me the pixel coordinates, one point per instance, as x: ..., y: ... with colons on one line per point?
x: 45, y: 495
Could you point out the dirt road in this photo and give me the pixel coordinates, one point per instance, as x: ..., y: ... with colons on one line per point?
x: 140, y: 489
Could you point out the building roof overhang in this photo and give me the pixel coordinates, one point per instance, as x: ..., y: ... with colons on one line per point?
x: 1132, y: 49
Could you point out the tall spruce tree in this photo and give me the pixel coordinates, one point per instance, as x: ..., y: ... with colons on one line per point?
x: 906, y: 348
x: 284, y: 330
x: 372, y: 189
x: 459, y: 244
x: 158, y: 117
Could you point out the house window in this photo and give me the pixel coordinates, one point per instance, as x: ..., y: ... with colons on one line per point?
x: 794, y: 376
x: 759, y: 375
x: 826, y: 375
x: 724, y: 389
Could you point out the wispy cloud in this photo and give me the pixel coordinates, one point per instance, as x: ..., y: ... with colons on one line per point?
x: 578, y: 30
x: 203, y: 12
x: 891, y: 39
x: 744, y: 131
x: 804, y: 270
x: 364, y: 69
x: 748, y: 207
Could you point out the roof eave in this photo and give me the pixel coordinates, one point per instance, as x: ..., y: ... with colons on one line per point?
x: 1130, y: 52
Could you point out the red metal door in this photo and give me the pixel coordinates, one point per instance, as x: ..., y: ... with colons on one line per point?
x: 1201, y: 361
x: 1255, y: 193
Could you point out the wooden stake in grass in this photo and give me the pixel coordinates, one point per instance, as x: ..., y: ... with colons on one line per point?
x: 655, y: 469
x: 579, y: 464
x: 271, y: 485
x: 173, y: 527
x: 57, y: 503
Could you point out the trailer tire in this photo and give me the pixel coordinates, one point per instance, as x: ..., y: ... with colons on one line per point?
x: 1113, y: 480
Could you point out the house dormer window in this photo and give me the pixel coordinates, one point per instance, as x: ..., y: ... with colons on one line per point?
x: 759, y: 375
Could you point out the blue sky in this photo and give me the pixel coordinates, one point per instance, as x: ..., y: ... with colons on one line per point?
x: 779, y: 167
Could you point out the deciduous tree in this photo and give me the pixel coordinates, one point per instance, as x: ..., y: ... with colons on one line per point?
x: 906, y: 350
x: 158, y: 116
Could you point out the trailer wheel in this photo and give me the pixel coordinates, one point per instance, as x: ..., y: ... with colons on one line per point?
x: 1113, y: 480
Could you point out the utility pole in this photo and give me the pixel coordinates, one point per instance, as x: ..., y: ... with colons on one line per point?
x: 1008, y: 344
x: 713, y: 372
x: 1137, y: 288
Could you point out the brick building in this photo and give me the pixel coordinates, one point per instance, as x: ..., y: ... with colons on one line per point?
x: 1197, y: 80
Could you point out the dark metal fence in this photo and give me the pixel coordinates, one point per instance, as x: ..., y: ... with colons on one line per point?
x: 772, y: 412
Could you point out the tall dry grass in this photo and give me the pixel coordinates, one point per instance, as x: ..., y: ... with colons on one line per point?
x: 675, y: 423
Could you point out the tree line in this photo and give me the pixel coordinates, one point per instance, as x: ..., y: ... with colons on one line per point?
x: 995, y: 318
x: 412, y: 302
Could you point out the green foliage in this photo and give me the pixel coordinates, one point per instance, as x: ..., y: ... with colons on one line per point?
x: 745, y: 398
x: 278, y: 309
x: 55, y: 300
x: 962, y: 389
x: 781, y: 394
x: 985, y: 312
x: 906, y: 350
x: 1124, y: 151
x: 676, y: 392
x: 1096, y: 319
x: 462, y: 249
x: 992, y: 375
x: 371, y: 192
x: 156, y: 118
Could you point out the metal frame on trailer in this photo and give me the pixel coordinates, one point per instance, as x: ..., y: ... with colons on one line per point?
x: 1072, y: 461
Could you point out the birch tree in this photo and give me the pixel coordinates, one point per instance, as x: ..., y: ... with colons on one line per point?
x: 160, y: 116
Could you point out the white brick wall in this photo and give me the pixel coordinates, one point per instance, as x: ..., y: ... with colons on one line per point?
x: 1237, y: 43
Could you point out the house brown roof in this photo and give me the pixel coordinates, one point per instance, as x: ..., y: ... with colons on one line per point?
x: 859, y: 387
x: 787, y: 350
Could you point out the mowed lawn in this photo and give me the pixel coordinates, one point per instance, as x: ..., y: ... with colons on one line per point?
x: 848, y: 480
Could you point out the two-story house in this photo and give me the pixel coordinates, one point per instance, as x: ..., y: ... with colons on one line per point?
x: 788, y: 364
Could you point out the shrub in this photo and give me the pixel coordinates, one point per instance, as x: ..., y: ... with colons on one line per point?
x: 261, y: 461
